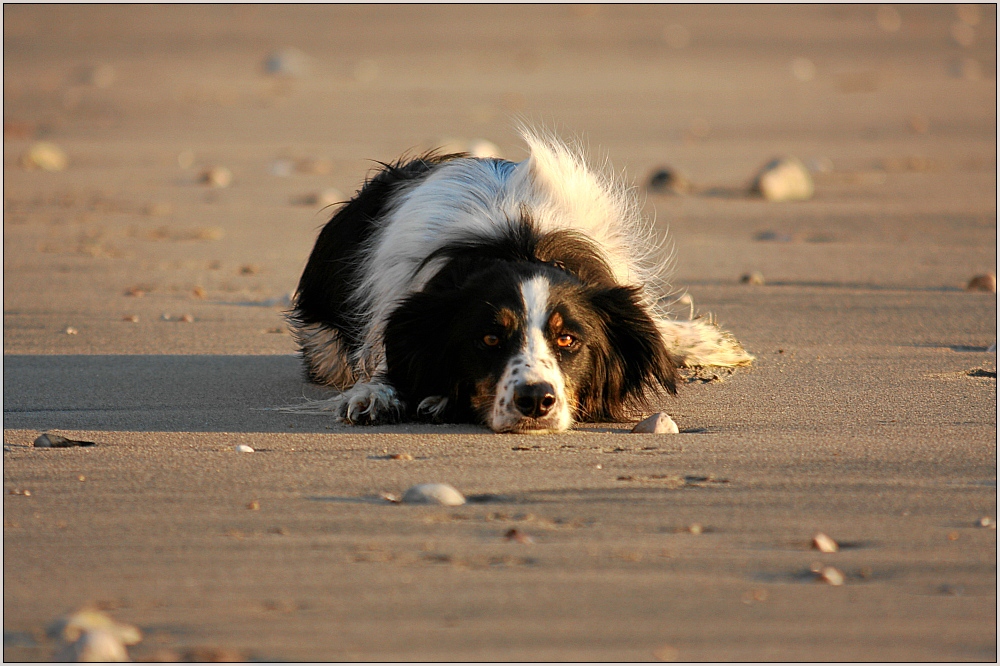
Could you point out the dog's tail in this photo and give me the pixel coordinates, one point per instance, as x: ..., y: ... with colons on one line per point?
x: 701, y: 343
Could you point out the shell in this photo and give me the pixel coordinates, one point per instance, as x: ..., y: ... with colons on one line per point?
x: 243, y: 448
x: 433, y: 493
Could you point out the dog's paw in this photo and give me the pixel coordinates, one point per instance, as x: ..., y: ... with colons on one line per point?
x: 362, y: 404
x: 371, y: 404
x: 432, y: 407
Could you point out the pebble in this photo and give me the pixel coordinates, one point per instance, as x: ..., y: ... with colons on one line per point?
x: 94, y: 645
x: 433, y: 493
x: 400, y: 456
x: 783, y: 179
x: 658, y: 424
x: 668, y: 181
x: 71, y: 628
x: 50, y: 441
x: 243, y: 448
x: 753, y: 277
x: 289, y: 62
x: 217, y: 176
x: 480, y: 147
x: 985, y: 282
x: 328, y: 197
x: 45, y: 156
x: 831, y: 575
x: 518, y: 536
x: 69, y: 330
x: 987, y: 522
x: 824, y: 544
x: 187, y: 318
x: 696, y: 528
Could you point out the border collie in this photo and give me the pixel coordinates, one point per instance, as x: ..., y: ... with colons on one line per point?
x: 522, y: 296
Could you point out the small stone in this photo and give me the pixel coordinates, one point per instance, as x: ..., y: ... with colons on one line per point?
x: 282, y: 168
x: 254, y: 506
x: 400, y: 456
x: 198, y: 292
x: 243, y: 448
x: 131, y: 318
x: 187, y: 318
x: 48, y: 440
x: 783, y: 179
x: 81, y: 478
x: 665, y: 653
x: 985, y: 282
x: 433, y: 493
x: 669, y: 181
x: 70, y: 331
x: 953, y: 536
x: 987, y: 522
x: 518, y: 536
x: 314, y: 166
x: 287, y: 62
x: 484, y: 148
x: 824, y: 544
x: 803, y: 69
x: 45, y: 156
x: 753, y: 277
x: 328, y: 197
x: 218, y: 176
x: 70, y: 628
x: 831, y: 576
x: 94, y: 645
x: 696, y: 528
x: 658, y: 424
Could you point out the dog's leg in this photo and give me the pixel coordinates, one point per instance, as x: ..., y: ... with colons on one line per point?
x: 700, y: 343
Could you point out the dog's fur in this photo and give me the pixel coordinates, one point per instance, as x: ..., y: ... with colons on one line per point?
x: 520, y: 296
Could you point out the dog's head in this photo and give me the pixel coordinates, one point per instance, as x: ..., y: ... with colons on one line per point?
x: 526, y: 347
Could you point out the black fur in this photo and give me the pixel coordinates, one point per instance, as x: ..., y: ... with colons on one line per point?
x: 324, y: 292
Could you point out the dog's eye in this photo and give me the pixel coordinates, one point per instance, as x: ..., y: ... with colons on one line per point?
x: 565, y: 340
x: 491, y: 340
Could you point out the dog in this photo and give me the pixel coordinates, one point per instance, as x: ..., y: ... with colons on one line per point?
x: 521, y: 296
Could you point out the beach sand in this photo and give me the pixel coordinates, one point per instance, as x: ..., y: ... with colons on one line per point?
x: 143, y: 312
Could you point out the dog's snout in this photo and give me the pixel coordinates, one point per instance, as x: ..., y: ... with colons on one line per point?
x: 534, y: 400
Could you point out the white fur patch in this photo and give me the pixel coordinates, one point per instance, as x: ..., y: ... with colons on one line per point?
x: 534, y: 363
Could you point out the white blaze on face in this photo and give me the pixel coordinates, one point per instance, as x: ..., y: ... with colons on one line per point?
x: 534, y: 363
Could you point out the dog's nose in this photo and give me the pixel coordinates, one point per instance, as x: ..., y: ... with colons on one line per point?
x: 534, y: 400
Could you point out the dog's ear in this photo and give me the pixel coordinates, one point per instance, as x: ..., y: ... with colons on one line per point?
x: 636, y: 364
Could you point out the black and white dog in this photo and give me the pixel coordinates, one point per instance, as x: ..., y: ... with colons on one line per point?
x: 522, y: 296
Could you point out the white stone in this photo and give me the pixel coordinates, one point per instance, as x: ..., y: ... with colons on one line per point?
x: 243, y: 448
x: 784, y: 179
x: 45, y: 156
x: 831, y: 576
x: 72, y: 627
x: 658, y: 424
x: 433, y: 493
x: 95, y: 645
x: 824, y: 544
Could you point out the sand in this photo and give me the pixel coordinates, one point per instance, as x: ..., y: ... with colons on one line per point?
x: 869, y: 415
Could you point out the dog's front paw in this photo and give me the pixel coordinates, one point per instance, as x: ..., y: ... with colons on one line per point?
x: 370, y: 404
x: 432, y: 407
